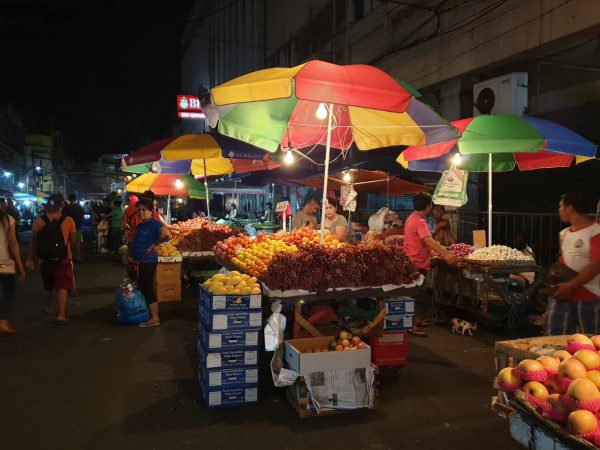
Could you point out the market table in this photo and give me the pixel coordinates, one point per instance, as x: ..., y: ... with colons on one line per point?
x: 379, y: 294
x: 458, y: 281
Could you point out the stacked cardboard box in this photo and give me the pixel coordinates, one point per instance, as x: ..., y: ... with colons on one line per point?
x: 228, y: 345
x: 400, y: 312
x: 168, y: 281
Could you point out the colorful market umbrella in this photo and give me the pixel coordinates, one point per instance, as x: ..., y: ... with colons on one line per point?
x: 168, y: 184
x: 497, y: 143
x: 194, y: 146
x: 368, y: 181
x: 323, y: 103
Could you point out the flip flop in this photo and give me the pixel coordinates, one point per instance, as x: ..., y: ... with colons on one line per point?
x: 419, y: 333
x: 148, y: 325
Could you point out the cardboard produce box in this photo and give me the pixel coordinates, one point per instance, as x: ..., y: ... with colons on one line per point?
x: 168, y: 272
x: 229, y: 302
x: 398, y: 322
x: 228, y: 339
x: 306, y: 363
x: 236, y: 376
x: 236, y: 320
x: 169, y: 291
x: 227, y: 358
x: 229, y: 396
x: 400, y: 305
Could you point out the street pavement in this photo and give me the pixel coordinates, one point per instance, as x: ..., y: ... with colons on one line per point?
x: 94, y: 384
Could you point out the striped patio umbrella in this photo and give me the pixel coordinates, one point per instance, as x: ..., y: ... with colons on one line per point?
x: 498, y: 143
x: 323, y: 103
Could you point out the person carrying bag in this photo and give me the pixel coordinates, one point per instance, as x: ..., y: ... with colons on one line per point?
x: 11, y: 268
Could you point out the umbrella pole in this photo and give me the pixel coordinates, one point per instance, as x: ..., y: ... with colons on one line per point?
x: 206, y: 190
x: 489, y: 199
x: 169, y: 209
x: 326, y: 174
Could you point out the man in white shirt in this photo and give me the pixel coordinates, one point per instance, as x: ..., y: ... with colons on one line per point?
x: 575, y: 305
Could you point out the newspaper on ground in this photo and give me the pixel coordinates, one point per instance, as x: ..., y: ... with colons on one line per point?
x: 341, y: 389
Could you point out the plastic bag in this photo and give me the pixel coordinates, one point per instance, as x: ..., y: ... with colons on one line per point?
x: 377, y: 220
x: 452, y: 188
x: 274, y: 327
x: 131, y: 304
x: 250, y: 230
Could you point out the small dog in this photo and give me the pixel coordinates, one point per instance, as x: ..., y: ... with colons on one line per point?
x: 460, y: 326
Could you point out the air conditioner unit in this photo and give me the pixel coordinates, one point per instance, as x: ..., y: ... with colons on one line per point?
x: 506, y: 94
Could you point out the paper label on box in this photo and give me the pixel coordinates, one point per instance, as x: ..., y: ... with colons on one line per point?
x: 219, y: 302
x: 251, y: 395
x: 255, y: 319
x: 213, y: 360
x: 252, y: 376
x: 214, y: 398
x: 251, y: 338
x: 392, y: 337
x: 255, y: 301
x: 250, y: 358
x: 214, y: 340
x: 214, y: 379
x: 219, y: 322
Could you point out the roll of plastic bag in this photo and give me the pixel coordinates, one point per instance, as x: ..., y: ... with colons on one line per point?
x: 274, y: 328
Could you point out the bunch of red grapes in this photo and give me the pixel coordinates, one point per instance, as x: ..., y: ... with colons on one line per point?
x: 459, y: 250
x: 317, y: 268
x: 203, y: 239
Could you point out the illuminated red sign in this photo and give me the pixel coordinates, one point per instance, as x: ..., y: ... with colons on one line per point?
x: 188, y: 103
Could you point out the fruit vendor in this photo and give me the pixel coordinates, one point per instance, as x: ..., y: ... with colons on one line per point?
x: 306, y: 217
x: 148, y: 235
x: 418, y: 242
x: 575, y: 304
x: 334, y: 222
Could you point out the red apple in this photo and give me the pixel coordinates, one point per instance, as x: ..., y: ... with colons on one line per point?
x: 583, y: 389
x: 572, y: 369
x: 345, y: 343
x: 339, y: 348
x: 582, y: 422
x: 549, y: 362
x: 536, y: 389
x: 356, y: 340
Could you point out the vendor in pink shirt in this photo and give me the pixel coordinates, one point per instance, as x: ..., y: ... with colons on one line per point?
x: 418, y: 242
x: 418, y: 245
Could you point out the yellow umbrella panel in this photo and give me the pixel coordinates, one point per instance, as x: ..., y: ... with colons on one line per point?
x: 211, y: 167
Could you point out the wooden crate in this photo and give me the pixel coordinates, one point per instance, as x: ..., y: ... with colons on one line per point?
x: 297, y: 396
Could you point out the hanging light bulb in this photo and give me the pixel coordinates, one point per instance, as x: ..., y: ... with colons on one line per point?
x: 288, y: 158
x: 456, y: 159
x: 347, y: 177
x: 321, y: 111
x: 178, y: 183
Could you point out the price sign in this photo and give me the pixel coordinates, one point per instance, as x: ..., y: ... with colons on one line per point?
x: 282, y: 206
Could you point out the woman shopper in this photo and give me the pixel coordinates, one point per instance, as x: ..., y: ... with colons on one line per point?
x: 11, y: 267
x: 334, y: 222
x: 148, y: 234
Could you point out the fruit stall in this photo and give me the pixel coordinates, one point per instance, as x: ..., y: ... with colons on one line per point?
x: 548, y: 388
x: 480, y: 284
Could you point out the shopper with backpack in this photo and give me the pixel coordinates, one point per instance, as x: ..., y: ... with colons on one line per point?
x: 10, y: 268
x: 52, y: 241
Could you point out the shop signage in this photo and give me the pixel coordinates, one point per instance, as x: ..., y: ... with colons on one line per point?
x: 188, y: 107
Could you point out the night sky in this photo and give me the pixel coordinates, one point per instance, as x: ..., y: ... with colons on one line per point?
x: 106, y: 73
